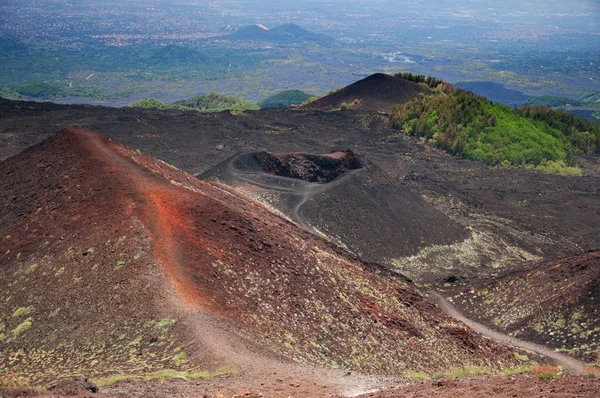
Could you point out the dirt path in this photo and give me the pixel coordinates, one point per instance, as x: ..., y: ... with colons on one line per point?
x: 575, y: 366
x: 299, y: 190
x: 264, y: 372
x: 270, y: 374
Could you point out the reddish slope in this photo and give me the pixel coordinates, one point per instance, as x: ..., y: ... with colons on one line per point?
x: 378, y: 93
x: 103, y: 242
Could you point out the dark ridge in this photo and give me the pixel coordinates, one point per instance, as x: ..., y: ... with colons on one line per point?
x: 378, y: 92
x: 309, y: 167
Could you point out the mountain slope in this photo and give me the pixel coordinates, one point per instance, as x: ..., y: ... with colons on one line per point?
x: 555, y: 303
x: 118, y: 263
x: 378, y: 92
x: 285, y: 98
x: 344, y: 196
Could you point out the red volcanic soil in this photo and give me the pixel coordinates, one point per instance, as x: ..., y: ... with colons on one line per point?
x: 116, y: 263
x: 378, y: 92
x: 517, y: 386
x: 521, y: 386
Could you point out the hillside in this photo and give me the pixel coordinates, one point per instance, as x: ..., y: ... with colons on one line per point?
x: 378, y: 93
x: 211, y: 102
x: 511, y: 215
x: 470, y: 126
x: 285, y: 98
x: 555, y: 303
x: 344, y: 196
x: 187, y: 271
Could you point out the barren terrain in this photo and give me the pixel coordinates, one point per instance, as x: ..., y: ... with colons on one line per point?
x: 215, y: 283
x: 510, y: 216
x: 295, y: 269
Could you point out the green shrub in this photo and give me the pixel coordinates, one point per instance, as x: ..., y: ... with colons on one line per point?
x: 149, y: 103
x: 285, y: 98
x: 41, y: 90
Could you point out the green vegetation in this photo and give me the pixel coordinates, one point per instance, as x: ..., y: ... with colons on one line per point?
x: 167, y: 374
x: 41, y: 90
x: 22, y: 328
x: 546, y: 372
x: 149, y: 103
x: 212, y: 102
x: 583, y: 135
x: 470, y: 126
x: 552, y: 101
x: 429, y: 81
x: 162, y: 323
x: 285, y: 98
x: 22, y: 311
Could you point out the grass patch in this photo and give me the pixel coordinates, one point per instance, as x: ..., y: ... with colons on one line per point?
x: 180, y: 357
x: 592, y: 371
x: 11, y: 379
x: 163, y: 323
x: 167, y: 374
x: 546, y: 372
x: 512, y: 371
x: 455, y: 373
x: 22, y: 311
x: 417, y: 375
x: 521, y: 357
x: 22, y: 328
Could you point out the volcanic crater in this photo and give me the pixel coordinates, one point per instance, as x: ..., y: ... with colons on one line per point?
x: 310, y: 167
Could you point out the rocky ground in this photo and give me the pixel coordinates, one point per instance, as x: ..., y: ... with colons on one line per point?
x: 507, y: 216
x: 198, y: 277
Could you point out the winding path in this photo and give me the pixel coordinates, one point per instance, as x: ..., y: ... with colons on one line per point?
x: 269, y: 373
x: 216, y: 336
x: 301, y: 191
x: 574, y: 365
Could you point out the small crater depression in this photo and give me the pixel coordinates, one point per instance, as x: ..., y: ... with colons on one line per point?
x: 310, y: 167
